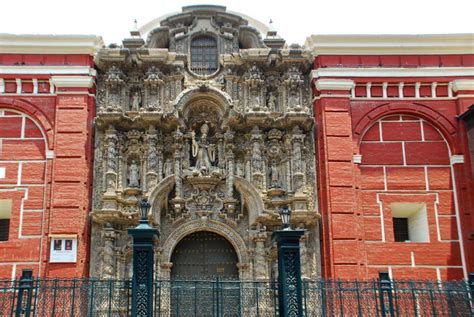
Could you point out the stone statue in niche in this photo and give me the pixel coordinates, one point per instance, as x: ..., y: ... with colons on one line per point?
x: 203, y: 151
x: 272, y: 102
x: 274, y: 175
x: 133, y: 175
x: 136, y: 101
x: 168, y: 168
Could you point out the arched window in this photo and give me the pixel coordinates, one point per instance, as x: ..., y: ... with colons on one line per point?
x: 204, y: 55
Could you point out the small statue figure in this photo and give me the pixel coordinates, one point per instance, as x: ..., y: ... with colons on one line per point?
x: 168, y: 168
x: 136, y: 101
x: 272, y: 102
x: 202, y: 150
x: 274, y: 175
x: 133, y: 175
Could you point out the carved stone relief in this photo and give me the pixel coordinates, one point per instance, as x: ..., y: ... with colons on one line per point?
x: 216, y: 152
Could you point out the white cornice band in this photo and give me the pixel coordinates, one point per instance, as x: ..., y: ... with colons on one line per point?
x: 392, y: 72
x: 463, y: 84
x: 391, y: 44
x: 335, y: 84
x: 47, y: 70
x: 50, y: 44
x: 73, y: 81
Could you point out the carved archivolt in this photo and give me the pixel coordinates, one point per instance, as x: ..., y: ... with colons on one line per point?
x: 204, y: 225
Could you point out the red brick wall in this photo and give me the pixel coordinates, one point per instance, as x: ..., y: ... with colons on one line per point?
x: 405, y: 159
x: 405, y: 147
x: 45, y: 146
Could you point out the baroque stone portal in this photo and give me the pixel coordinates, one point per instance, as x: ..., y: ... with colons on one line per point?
x: 213, y: 125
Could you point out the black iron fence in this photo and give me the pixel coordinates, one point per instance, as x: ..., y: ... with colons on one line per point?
x: 89, y: 297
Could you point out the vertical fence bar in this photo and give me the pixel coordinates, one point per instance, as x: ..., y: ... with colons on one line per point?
x: 55, y: 283
x: 36, y: 285
x: 414, y: 298
x: 73, y: 296
x: 91, y: 300
x: 322, y: 288
x: 432, y: 300
x: 341, y: 301
x: 110, y: 297
x: 256, y: 298
x: 195, y: 298
x: 359, y: 308
x: 471, y: 291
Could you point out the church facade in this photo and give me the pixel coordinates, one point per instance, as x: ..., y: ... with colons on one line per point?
x: 218, y: 123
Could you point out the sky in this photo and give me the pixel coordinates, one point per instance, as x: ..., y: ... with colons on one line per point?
x: 294, y: 20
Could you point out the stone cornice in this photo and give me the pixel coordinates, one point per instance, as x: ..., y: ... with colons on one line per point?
x: 47, y: 70
x: 334, y: 84
x: 392, y: 72
x: 73, y: 81
x: 391, y: 44
x: 463, y: 84
x: 50, y: 44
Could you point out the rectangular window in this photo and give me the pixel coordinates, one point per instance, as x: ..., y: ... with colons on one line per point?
x: 410, y: 222
x: 5, y: 215
x: 400, y: 229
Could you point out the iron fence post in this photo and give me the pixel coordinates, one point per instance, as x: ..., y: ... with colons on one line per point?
x: 386, y: 288
x: 289, y: 272
x: 25, y: 286
x: 143, y: 259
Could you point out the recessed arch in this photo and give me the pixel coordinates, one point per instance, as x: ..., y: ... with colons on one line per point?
x: 33, y: 113
x: 433, y: 117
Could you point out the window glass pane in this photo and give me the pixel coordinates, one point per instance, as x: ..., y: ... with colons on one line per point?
x: 4, y: 229
x: 204, y: 55
x: 400, y: 229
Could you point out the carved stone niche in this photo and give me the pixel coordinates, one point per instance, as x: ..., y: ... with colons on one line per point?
x: 114, y: 88
x: 154, y: 90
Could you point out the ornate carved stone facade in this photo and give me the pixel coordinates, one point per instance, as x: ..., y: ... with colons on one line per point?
x: 217, y: 151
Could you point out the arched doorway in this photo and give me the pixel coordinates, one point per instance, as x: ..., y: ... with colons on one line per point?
x: 204, y: 255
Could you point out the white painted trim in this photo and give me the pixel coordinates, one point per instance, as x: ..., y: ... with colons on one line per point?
x: 463, y: 84
x: 73, y: 81
x: 50, y: 44
x: 433, y: 89
x: 2, y: 172
x: 458, y: 218
x: 35, y: 86
x: 391, y: 72
x: 2, y: 86
x: 18, y: 85
x: 334, y: 84
x: 456, y: 159
x: 390, y: 44
x: 47, y: 70
x: 51, y: 87
x: 357, y: 158
x: 49, y: 154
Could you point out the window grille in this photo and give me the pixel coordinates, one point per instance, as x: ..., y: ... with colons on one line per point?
x: 204, y: 55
